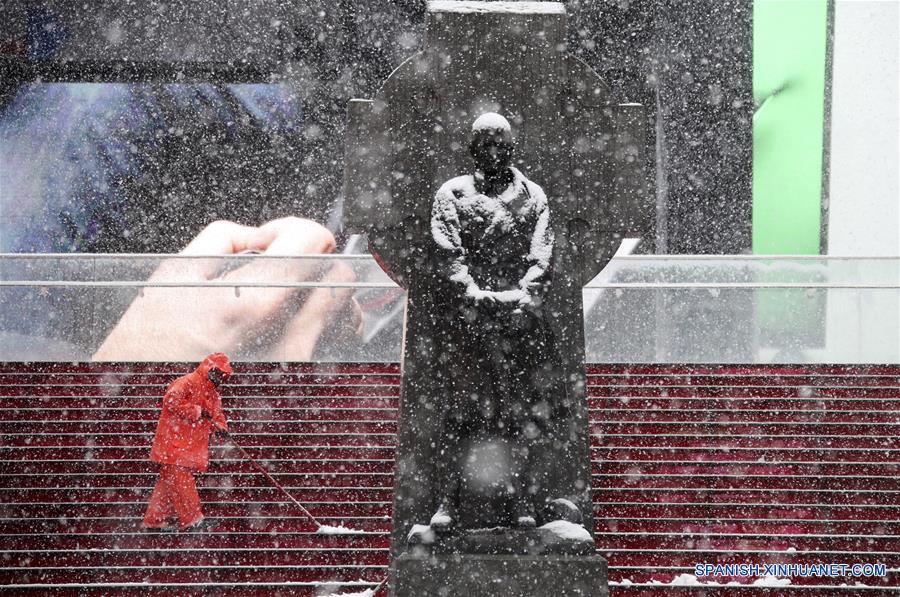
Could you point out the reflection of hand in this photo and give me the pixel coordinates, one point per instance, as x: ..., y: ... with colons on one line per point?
x: 187, y: 323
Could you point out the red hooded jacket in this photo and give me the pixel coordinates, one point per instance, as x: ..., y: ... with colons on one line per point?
x: 191, y: 411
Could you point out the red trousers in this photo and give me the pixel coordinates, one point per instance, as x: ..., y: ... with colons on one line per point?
x: 175, y: 494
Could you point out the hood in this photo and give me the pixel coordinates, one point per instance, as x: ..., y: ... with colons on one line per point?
x: 218, y: 360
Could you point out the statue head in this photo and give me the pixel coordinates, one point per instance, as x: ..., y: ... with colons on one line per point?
x: 492, y: 143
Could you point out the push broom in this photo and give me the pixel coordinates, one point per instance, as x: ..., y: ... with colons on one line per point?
x: 272, y: 480
x: 319, y: 526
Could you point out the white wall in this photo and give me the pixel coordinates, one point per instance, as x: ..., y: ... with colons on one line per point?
x: 864, y: 210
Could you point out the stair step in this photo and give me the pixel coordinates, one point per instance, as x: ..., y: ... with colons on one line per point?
x: 727, y: 464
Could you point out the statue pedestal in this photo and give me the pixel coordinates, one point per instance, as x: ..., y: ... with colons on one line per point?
x: 474, y: 575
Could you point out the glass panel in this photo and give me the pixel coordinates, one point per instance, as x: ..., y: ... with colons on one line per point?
x: 651, y: 309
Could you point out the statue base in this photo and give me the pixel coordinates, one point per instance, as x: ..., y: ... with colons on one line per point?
x: 504, y: 541
x: 478, y: 575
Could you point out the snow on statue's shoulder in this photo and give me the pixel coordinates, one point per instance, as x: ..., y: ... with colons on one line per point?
x: 568, y: 530
x: 495, y: 7
x: 462, y: 185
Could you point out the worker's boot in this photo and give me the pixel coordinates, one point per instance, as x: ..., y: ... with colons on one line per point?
x: 160, y: 529
x: 202, y: 525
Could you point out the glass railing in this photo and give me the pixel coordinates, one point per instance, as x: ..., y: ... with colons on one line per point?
x: 640, y: 309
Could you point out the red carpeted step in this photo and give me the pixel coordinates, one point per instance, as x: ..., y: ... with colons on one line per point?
x: 204, y: 556
x: 88, y: 525
x: 737, y: 405
x: 688, y: 558
x: 727, y: 511
x: 720, y: 452
x: 155, y: 390
x: 773, y: 391
x: 238, y: 427
x: 118, y: 403
x: 232, y: 494
x: 594, y: 391
x: 755, y: 441
x: 196, y: 567
x: 748, y: 377
x: 683, y: 370
x: 217, y: 467
x: 113, y: 439
x: 783, y: 497
x: 215, y: 538
x: 745, y: 482
x: 379, y: 425
x: 664, y: 577
x: 761, y: 541
x: 235, y: 480
x: 97, y: 453
x: 733, y: 466
x: 760, y: 463
x: 135, y: 506
x: 784, y: 526
x: 100, y: 415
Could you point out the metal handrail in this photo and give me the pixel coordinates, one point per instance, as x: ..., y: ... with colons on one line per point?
x: 389, y: 286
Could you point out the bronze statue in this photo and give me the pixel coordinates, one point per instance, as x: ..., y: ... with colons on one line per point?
x: 495, y: 244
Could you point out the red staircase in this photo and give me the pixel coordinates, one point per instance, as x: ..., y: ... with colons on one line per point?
x: 692, y: 464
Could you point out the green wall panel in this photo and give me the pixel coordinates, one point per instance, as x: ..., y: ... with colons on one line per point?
x: 789, y: 64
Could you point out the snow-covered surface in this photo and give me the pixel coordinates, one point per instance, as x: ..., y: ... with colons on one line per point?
x: 366, y: 593
x: 569, y: 504
x: 440, y: 518
x: 567, y: 530
x: 491, y: 121
x: 686, y: 580
x: 426, y: 535
x: 771, y: 581
x: 505, y: 7
x: 521, y: 209
x: 327, y: 529
x: 689, y: 580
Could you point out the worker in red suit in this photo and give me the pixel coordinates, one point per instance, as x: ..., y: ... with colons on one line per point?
x: 192, y: 410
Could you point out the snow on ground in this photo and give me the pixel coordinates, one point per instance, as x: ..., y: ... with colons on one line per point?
x: 771, y: 581
x: 327, y: 529
x: 366, y: 593
x: 507, y: 7
x: 686, y: 580
x: 689, y: 580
